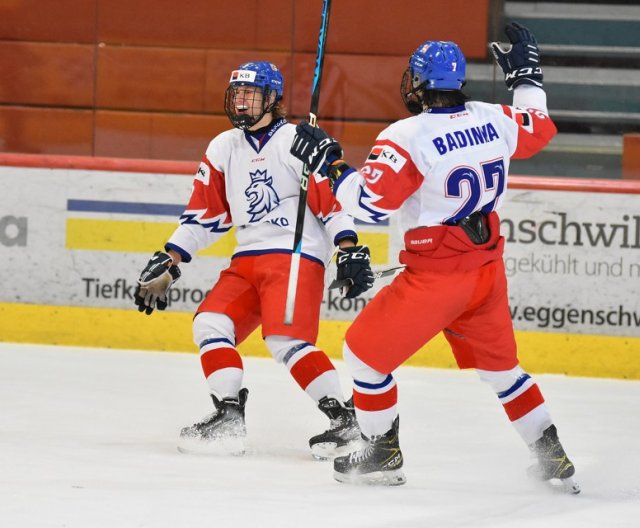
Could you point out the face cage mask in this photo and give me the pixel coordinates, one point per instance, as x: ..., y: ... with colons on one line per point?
x: 412, y: 101
x: 245, y: 121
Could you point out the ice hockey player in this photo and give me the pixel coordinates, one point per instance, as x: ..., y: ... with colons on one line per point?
x: 248, y: 179
x: 445, y: 169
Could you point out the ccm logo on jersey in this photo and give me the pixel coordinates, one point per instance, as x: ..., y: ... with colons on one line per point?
x: 387, y: 156
x: 203, y: 173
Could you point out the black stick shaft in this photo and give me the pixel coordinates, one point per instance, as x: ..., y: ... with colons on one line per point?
x: 304, y: 178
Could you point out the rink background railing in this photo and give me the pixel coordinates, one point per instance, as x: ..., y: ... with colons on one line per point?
x: 540, y: 351
x: 189, y: 168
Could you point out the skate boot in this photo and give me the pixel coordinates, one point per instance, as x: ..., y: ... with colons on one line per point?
x: 343, y: 430
x: 221, y: 432
x: 379, y: 463
x: 553, y: 466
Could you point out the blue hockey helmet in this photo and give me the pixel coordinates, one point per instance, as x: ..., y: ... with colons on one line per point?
x: 438, y: 65
x: 263, y: 75
x: 435, y: 65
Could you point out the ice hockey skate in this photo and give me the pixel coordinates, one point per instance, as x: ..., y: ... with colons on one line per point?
x: 222, y: 432
x: 343, y: 434
x: 553, y: 466
x: 379, y: 463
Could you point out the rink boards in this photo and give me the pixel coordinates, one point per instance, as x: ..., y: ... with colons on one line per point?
x: 74, y: 233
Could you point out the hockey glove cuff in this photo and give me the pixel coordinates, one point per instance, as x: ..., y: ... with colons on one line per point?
x: 354, y: 265
x: 155, y: 282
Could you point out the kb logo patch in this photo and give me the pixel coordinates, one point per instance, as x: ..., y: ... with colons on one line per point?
x: 387, y: 155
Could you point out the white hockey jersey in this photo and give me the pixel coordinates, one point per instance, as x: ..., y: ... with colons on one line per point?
x: 250, y: 181
x: 445, y: 164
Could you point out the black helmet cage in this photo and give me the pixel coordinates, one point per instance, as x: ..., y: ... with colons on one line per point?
x: 415, y: 97
x: 411, y: 94
x: 245, y: 121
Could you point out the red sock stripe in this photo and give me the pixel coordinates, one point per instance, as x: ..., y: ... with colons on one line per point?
x: 376, y: 402
x: 310, y: 367
x: 220, y: 358
x: 525, y: 403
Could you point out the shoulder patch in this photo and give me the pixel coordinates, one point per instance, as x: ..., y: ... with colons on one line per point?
x: 387, y: 155
x: 203, y: 174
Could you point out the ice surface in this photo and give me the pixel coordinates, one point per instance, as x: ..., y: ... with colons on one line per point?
x: 88, y: 440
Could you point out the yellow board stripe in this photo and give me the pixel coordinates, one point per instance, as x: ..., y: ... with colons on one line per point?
x: 147, y: 237
x: 133, y: 236
x: 576, y: 355
x: 378, y: 245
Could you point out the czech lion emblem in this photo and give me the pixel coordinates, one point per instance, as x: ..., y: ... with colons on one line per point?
x: 262, y: 196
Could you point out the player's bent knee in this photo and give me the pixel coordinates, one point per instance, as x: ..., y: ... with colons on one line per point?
x: 359, y: 369
x: 208, y: 325
x: 501, y: 380
x: 279, y: 346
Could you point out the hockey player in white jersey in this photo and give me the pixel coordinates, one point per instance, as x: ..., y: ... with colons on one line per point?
x: 445, y: 171
x: 248, y: 179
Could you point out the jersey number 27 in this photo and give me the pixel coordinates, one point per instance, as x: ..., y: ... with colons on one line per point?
x: 492, y: 179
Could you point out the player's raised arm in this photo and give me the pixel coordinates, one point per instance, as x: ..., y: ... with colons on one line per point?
x: 520, y: 63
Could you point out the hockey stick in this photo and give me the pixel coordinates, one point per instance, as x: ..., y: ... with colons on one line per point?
x: 304, y: 178
x: 345, y: 283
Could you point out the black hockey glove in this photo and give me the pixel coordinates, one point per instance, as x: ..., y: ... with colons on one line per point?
x: 520, y: 61
x: 316, y: 148
x: 154, y: 283
x: 354, y: 265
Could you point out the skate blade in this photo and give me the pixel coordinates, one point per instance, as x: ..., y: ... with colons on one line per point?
x: 375, y: 478
x: 556, y: 485
x: 568, y: 485
x: 221, y: 447
x: 330, y: 450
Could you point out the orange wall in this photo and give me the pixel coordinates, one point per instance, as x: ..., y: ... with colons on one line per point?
x: 145, y: 78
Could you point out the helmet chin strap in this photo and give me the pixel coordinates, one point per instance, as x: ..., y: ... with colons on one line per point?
x: 259, y: 124
x: 243, y: 121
